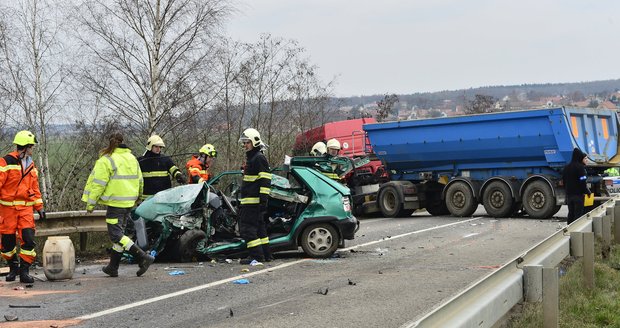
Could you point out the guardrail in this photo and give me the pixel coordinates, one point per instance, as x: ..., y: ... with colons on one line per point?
x: 62, y: 223
x: 486, y: 302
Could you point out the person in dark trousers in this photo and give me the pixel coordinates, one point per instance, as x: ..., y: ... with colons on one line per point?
x: 254, y: 195
x: 157, y: 169
x: 574, y: 178
x: 116, y: 181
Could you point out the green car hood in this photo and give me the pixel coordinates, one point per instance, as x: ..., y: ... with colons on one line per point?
x: 174, y: 201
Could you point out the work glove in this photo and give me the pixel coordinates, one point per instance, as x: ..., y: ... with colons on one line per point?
x: 90, y: 208
x: 41, y: 214
x: 180, y: 179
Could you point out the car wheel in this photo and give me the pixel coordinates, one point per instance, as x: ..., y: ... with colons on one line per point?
x: 497, y: 199
x: 538, y: 200
x: 320, y: 240
x: 460, y: 199
x: 188, y: 242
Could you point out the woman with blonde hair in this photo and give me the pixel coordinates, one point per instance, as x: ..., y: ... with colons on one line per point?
x: 116, y: 181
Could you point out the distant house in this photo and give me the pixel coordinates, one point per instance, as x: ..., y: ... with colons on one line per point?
x: 607, y: 105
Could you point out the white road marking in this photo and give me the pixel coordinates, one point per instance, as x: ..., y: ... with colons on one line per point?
x: 231, y: 279
x: 471, y: 234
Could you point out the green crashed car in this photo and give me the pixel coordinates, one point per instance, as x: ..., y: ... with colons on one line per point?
x: 306, y: 209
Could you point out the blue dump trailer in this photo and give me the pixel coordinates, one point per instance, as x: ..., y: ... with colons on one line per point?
x: 507, y: 161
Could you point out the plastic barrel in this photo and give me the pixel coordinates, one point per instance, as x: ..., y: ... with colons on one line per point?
x: 58, y: 258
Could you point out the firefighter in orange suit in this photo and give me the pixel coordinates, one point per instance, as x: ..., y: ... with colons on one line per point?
x: 19, y: 195
x: 198, y: 166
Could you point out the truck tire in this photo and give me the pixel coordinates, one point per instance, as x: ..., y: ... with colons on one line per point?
x: 538, y: 200
x: 460, y: 199
x: 497, y: 200
x: 187, y: 244
x: 438, y: 208
x: 391, y: 204
x: 320, y: 240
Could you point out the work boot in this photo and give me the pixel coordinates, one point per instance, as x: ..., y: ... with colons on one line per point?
x: 14, y: 269
x: 112, y: 268
x: 144, y: 260
x: 24, y: 276
x: 255, y: 253
x: 267, y: 252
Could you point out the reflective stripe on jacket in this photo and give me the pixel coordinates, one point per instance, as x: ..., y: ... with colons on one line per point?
x: 156, y: 172
x: 19, y: 186
x: 256, y: 183
x: 116, y: 180
x: 196, y: 170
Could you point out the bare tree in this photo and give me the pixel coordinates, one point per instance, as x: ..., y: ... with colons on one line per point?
x: 151, y: 59
x: 480, y: 104
x: 31, y: 51
x: 386, y: 106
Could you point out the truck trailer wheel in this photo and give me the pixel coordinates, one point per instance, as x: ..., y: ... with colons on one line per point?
x: 538, y: 200
x: 497, y: 200
x: 438, y: 208
x: 391, y: 204
x: 460, y: 199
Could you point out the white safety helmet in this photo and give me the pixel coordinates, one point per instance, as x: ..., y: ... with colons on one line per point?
x: 319, y: 149
x: 333, y: 144
x: 154, y: 140
x: 251, y: 135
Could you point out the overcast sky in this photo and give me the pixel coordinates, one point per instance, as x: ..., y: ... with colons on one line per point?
x: 400, y: 46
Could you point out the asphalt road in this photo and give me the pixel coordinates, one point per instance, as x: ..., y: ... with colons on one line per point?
x: 395, y: 271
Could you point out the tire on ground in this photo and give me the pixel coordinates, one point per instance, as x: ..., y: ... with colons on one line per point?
x: 187, y: 244
x: 497, y: 199
x: 538, y: 200
x: 391, y: 203
x: 460, y: 199
x: 320, y: 240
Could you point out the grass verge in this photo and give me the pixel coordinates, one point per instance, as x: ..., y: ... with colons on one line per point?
x: 582, y: 307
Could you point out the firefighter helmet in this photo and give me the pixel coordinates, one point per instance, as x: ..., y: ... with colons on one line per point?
x: 333, y: 144
x: 251, y: 135
x: 208, y: 150
x: 23, y: 138
x: 154, y: 140
x: 319, y: 149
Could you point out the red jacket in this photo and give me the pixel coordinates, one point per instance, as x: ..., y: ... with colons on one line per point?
x: 18, y: 186
x: 195, y: 168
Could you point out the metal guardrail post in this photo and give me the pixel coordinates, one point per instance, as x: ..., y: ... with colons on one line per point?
x: 597, y: 225
x: 607, y: 227
x: 532, y: 283
x: 588, y: 259
x: 551, y: 297
x: 576, y: 243
x: 83, y: 241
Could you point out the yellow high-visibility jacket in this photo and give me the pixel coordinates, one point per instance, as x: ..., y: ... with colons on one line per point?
x: 116, y: 180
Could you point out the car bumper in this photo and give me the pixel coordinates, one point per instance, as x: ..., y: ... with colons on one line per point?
x: 348, y: 227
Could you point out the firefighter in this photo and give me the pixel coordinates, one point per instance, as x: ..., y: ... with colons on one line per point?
x: 157, y: 169
x: 19, y: 195
x: 333, y: 147
x: 254, y: 195
x: 116, y: 181
x: 198, y: 166
x: 319, y: 149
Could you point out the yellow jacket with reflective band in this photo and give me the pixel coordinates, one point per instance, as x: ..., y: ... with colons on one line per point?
x: 116, y: 180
